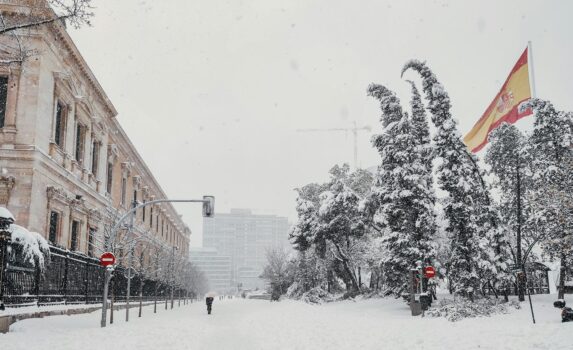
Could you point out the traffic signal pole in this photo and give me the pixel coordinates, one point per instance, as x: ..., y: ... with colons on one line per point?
x: 208, y: 211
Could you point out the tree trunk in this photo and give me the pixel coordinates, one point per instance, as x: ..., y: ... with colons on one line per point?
x: 155, y: 299
x: 372, y: 276
x: 140, y: 296
x: 112, y: 302
x: 562, y: 276
x: 520, y: 262
x: 348, y: 270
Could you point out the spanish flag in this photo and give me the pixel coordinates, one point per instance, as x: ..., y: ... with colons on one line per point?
x: 509, y: 105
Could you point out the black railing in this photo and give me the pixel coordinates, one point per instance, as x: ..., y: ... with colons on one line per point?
x: 537, y: 283
x: 69, y: 278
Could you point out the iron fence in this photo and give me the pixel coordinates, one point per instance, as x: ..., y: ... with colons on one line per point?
x: 69, y: 278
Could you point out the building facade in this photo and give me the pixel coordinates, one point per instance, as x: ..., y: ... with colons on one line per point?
x: 246, y: 238
x: 65, y: 161
x: 217, y: 268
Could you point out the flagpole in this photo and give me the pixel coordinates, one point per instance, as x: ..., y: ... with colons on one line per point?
x: 531, y: 70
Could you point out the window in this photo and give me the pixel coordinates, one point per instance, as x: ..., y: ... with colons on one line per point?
x: 95, y: 157
x: 123, y: 189
x: 80, y: 141
x: 3, y: 99
x: 75, y: 232
x: 91, y: 239
x: 143, y: 219
x: 151, y: 217
x: 109, y: 177
x: 54, y: 226
x: 60, y: 131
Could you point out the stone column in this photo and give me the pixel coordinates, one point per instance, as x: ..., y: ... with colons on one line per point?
x: 9, y: 128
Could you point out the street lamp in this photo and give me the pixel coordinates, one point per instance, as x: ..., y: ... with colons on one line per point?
x: 6, y: 219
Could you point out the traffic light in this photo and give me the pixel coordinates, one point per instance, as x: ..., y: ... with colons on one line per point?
x: 208, y: 206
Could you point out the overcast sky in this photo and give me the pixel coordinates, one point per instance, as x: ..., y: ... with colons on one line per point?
x: 212, y: 92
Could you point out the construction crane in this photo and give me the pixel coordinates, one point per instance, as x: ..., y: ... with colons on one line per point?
x: 354, y: 131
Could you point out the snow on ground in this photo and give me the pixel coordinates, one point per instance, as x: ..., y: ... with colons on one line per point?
x: 260, y: 324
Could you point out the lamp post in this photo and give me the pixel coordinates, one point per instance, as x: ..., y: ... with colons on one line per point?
x: 6, y: 219
x: 208, y: 211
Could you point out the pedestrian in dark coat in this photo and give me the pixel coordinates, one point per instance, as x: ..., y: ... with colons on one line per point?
x: 209, y: 302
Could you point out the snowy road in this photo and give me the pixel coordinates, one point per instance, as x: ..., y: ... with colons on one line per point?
x: 257, y: 324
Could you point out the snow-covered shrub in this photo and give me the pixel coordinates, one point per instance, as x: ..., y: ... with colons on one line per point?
x: 294, y: 291
x: 317, y: 295
x: 455, y: 310
x: 34, y: 246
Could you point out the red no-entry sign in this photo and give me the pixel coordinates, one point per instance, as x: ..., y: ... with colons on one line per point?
x: 107, y: 259
x: 429, y: 272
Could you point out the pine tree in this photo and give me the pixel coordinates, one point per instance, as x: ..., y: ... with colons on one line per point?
x: 405, y: 199
x: 478, y: 247
x: 552, y: 195
x: 509, y: 160
x: 420, y: 129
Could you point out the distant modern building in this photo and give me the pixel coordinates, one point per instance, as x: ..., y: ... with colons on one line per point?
x: 245, y: 237
x: 217, y: 268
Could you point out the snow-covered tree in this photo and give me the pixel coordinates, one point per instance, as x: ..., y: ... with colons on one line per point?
x: 32, y: 247
x: 340, y: 225
x: 310, y: 272
x: 278, y: 270
x: 478, y: 247
x: 403, y: 193
x: 510, y: 161
x: 421, y: 130
x: 552, y: 195
x: 307, y: 204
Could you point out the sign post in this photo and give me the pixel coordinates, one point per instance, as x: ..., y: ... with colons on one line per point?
x: 107, y: 260
x: 429, y: 272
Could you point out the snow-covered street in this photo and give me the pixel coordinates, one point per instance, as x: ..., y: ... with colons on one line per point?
x: 258, y: 324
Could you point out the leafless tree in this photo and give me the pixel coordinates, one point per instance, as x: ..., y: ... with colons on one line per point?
x: 278, y: 270
x: 25, y: 14
x: 18, y: 18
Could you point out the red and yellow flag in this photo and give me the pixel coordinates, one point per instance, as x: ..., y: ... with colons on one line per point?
x: 509, y: 105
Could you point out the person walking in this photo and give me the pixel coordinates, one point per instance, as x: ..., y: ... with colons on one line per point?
x: 209, y: 302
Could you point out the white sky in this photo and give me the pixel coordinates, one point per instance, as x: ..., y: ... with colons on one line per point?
x: 211, y: 92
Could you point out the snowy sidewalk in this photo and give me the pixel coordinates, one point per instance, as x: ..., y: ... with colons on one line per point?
x: 257, y: 324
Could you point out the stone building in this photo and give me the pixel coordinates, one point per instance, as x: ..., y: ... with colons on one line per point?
x: 65, y: 161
